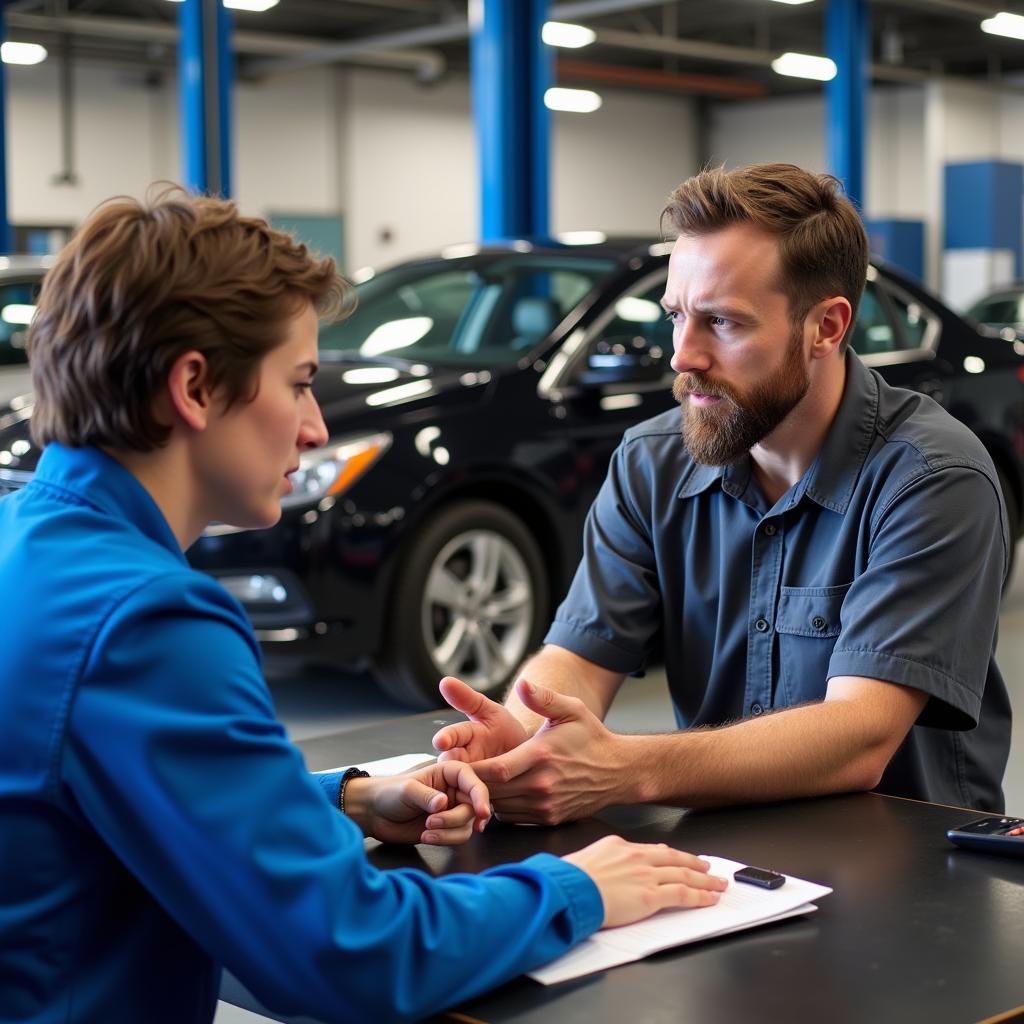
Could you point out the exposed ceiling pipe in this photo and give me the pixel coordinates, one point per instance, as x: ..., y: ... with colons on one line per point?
x: 445, y: 32
x: 427, y: 64
x: 665, y: 81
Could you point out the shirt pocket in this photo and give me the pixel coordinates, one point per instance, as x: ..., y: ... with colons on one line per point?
x: 807, y: 625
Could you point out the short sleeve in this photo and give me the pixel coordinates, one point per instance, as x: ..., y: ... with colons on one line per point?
x: 612, y: 612
x: 923, y: 614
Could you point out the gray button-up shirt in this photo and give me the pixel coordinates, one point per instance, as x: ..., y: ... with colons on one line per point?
x: 884, y: 560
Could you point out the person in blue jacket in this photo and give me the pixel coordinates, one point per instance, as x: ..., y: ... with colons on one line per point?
x: 155, y: 821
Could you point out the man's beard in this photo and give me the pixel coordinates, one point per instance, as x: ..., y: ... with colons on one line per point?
x: 726, y: 431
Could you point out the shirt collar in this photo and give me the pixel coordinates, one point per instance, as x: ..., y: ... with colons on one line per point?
x: 833, y: 474
x: 95, y: 479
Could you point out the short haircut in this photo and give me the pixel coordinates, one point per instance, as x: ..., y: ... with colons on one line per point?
x: 823, y: 248
x: 141, y: 283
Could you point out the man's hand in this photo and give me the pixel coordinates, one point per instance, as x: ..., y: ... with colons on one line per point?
x: 570, y: 768
x: 440, y: 805
x: 491, y: 730
x: 636, y: 880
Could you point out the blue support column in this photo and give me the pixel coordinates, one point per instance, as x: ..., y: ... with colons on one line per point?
x: 205, y: 76
x: 511, y: 69
x: 848, y: 42
x: 6, y: 236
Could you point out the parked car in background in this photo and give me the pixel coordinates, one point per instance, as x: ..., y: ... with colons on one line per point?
x: 20, y: 280
x: 1001, y: 313
x: 473, y: 401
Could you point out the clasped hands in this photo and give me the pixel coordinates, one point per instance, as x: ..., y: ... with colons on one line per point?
x: 571, y: 767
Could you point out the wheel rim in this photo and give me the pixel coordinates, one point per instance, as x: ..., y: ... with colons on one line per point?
x: 478, y: 608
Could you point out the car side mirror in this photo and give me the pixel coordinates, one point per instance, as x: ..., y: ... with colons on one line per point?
x: 623, y: 360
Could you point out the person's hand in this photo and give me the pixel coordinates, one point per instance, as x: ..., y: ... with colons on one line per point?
x: 571, y: 767
x: 491, y: 729
x: 441, y: 805
x: 639, y: 879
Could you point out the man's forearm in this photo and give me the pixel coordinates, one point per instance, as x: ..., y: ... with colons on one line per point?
x: 564, y: 672
x: 835, y: 746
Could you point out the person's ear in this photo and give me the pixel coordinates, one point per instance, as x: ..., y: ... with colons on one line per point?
x: 830, y: 320
x: 188, y: 390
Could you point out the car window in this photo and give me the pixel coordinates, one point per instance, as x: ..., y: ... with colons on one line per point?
x: 481, y: 312
x: 912, y: 319
x: 17, y: 307
x: 638, y: 315
x: 1004, y: 310
x: 874, y: 331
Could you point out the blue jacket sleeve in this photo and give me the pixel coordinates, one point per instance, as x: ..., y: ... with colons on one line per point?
x: 176, y: 759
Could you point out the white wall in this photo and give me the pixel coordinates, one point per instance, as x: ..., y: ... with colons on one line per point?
x: 792, y: 130
x: 397, y: 159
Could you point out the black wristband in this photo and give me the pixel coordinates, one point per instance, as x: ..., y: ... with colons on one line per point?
x: 350, y: 774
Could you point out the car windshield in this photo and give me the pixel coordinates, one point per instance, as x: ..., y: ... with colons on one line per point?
x: 479, y: 311
x: 1004, y: 309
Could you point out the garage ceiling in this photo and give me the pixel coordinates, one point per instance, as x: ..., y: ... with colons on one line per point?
x: 714, y: 48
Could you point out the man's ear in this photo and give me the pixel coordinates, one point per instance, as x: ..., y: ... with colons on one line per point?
x: 830, y: 319
x: 188, y: 393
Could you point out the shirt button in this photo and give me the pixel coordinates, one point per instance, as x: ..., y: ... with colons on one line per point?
x: 818, y: 622
x: 761, y: 625
x: 756, y: 709
x: 770, y: 529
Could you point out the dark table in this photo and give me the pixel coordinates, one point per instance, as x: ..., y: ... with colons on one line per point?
x: 916, y: 929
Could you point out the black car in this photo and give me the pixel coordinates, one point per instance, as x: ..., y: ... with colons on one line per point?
x: 474, y: 401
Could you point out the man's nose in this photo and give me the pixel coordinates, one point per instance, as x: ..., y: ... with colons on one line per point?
x: 688, y: 350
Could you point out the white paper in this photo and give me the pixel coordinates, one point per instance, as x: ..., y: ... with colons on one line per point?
x: 740, y: 906
x: 388, y: 765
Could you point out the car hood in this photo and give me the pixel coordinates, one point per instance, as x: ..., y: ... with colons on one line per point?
x: 354, y: 391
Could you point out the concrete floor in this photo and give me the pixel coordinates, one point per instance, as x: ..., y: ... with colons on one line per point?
x: 316, y: 703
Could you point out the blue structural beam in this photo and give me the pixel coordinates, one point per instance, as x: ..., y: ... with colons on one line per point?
x: 900, y: 242
x: 848, y: 42
x: 6, y: 238
x: 205, y: 75
x: 983, y: 208
x: 511, y: 69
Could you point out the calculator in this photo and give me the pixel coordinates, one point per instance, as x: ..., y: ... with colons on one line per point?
x: 990, y: 835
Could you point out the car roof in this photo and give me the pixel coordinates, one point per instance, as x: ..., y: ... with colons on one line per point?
x: 20, y: 265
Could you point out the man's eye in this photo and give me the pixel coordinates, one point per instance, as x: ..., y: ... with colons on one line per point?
x: 719, y: 321
x: 674, y: 317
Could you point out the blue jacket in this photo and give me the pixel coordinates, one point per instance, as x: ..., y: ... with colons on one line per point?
x: 156, y: 823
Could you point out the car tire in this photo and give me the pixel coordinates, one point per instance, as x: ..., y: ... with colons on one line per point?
x: 1012, y: 520
x: 470, y: 600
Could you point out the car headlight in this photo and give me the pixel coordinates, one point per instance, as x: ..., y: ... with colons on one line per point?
x: 334, y: 468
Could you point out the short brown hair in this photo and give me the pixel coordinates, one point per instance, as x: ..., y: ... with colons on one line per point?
x: 823, y: 248
x: 139, y: 284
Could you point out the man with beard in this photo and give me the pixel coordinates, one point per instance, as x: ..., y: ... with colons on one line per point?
x: 804, y: 560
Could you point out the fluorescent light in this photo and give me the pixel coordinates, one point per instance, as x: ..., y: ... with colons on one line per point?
x: 1004, y: 24
x: 805, y: 65
x: 578, y: 101
x: 17, y: 313
x: 793, y: 2
x: 22, y: 53
x: 635, y: 310
x: 244, y: 5
x: 582, y: 237
x: 561, y: 33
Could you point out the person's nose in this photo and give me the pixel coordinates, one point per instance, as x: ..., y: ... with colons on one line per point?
x: 312, y: 430
x: 689, y: 352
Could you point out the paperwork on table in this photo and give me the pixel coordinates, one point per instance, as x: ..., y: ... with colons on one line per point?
x: 387, y: 765
x: 741, y: 906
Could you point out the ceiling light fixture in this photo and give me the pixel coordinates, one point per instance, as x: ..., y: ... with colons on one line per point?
x: 1004, y: 24
x: 244, y: 5
x: 805, y: 65
x: 561, y: 33
x: 793, y: 2
x: 576, y: 101
x: 22, y: 53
